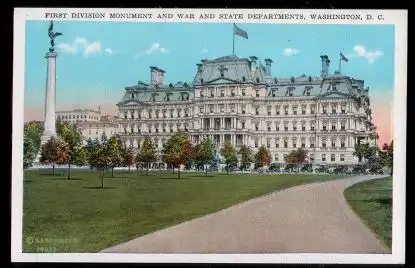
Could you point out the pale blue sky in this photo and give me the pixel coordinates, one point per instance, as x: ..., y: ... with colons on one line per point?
x: 108, y: 56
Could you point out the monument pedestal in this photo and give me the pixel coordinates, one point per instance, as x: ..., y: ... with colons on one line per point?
x: 49, y: 123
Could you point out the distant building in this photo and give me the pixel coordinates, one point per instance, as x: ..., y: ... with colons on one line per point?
x: 236, y: 99
x: 107, y: 126
x: 78, y: 115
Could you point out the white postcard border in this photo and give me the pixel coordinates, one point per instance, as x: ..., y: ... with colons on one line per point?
x: 395, y: 17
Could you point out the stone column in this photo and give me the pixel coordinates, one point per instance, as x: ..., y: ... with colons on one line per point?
x: 50, y: 100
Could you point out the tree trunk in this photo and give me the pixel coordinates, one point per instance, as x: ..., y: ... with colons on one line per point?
x: 102, y: 179
x: 129, y: 169
x: 206, y: 170
x: 147, y: 169
x: 53, y: 169
x: 178, y: 172
x: 112, y: 172
x: 173, y: 170
x: 227, y: 170
x: 69, y: 171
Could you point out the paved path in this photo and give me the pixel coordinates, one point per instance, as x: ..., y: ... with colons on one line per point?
x: 312, y: 218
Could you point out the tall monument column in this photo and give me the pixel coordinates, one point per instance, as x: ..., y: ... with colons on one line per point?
x: 50, y: 100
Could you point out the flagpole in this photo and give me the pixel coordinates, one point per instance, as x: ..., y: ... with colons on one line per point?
x: 340, y: 63
x: 233, y: 40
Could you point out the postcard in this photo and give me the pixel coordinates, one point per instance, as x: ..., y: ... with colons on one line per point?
x: 209, y: 136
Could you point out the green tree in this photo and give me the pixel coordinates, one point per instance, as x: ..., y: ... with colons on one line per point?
x: 387, y: 155
x: 178, y: 150
x: 112, y: 150
x: 29, y: 152
x: 54, y: 151
x: 246, y: 156
x: 32, y: 132
x: 296, y: 157
x: 228, y: 152
x: 99, y: 160
x: 262, y: 157
x: 204, y: 153
x: 74, y: 140
x: 147, y: 153
x: 127, y: 157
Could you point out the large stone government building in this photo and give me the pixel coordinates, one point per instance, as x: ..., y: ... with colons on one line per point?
x: 236, y: 99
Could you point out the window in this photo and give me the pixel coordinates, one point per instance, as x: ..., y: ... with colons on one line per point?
x: 294, y: 127
x: 312, y: 126
x: 303, y: 143
x: 323, y: 157
x: 201, y: 94
x: 303, y: 110
x: 333, y: 109
x: 256, y: 143
x: 276, y: 157
x: 222, y: 108
x: 312, y: 109
x: 125, y: 131
x: 324, y: 144
x: 157, y: 113
x: 311, y: 157
x: 243, y: 90
x: 303, y: 127
x: 333, y: 127
x: 285, y: 144
x: 201, y: 109
x: 324, y: 126
x: 333, y: 144
x: 324, y: 109
x: 179, y: 112
x: 243, y: 125
x: 294, y: 110
x: 232, y: 108
x: 149, y: 114
x: 157, y: 129
x: 277, y: 110
x: 256, y: 127
x: 269, y: 126
x: 277, y: 127
x: 243, y: 109
x: 125, y: 115
x: 212, y: 94
x: 343, y: 126
x: 171, y: 128
x: 286, y: 127
x: 257, y: 93
x: 268, y: 143
x: 277, y: 143
x: 342, y: 157
x: 286, y: 110
x: 211, y: 108
x: 333, y: 157
x: 233, y: 92
x: 343, y: 111
x: 342, y: 144
x: 90, y: 131
x: 186, y: 112
x: 311, y: 143
x: 257, y: 110
x: 269, y: 110
x: 164, y: 128
x: 96, y: 132
x: 294, y: 144
x: 77, y: 117
x: 222, y: 93
x: 171, y: 112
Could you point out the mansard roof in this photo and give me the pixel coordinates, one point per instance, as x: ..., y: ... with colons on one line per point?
x: 231, y: 68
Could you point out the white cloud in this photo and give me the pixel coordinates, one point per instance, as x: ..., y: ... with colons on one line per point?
x: 371, y: 56
x: 290, y: 51
x: 204, y: 51
x: 109, y: 51
x: 83, y: 45
x: 154, y: 48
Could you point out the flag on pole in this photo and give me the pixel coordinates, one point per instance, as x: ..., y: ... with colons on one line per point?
x: 343, y: 57
x: 239, y: 31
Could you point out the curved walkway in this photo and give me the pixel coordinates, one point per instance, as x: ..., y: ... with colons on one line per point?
x: 311, y: 218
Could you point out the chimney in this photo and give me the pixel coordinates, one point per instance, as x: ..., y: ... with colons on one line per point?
x: 325, y: 63
x: 157, y: 75
x: 268, y: 63
x: 199, y: 67
x: 253, y: 60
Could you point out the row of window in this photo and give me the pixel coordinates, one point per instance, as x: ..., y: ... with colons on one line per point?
x: 294, y: 127
x: 167, y: 97
x: 302, y: 144
x: 65, y: 117
x: 163, y: 114
x: 157, y: 130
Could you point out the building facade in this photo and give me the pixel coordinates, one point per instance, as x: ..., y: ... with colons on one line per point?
x: 236, y: 99
x: 97, y: 129
x: 79, y: 115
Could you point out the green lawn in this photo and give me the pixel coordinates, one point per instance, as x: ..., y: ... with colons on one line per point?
x: 78, y: 216
x: 372, y: 201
